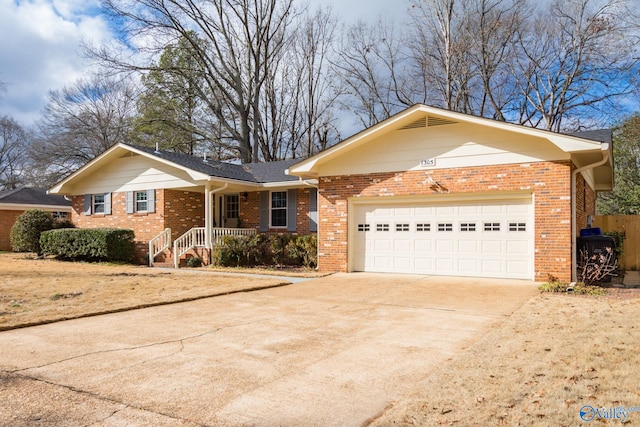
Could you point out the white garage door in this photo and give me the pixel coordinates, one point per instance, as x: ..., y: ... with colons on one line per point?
x: 488, y: 239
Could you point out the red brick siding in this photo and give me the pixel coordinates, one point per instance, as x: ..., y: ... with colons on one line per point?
x: 179, y: 210
x: 182, y: 210
x: 250, y: 211
x: 585, y: 203
x: 548, y: 181
x: 7, y: 219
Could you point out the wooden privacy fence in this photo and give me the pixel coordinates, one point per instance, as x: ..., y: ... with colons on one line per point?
x: 629, y: 225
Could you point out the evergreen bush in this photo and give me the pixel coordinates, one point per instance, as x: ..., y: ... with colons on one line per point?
x: 89, y: 244
x: 25, y: 233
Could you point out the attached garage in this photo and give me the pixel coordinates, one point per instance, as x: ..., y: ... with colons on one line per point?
x: 432, y: 191
x: 488, y: 238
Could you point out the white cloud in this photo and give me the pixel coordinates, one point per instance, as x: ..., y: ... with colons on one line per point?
x: 40, y: 50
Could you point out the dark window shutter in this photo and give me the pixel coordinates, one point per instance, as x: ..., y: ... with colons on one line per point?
x: 151, y: 201
x: 313, y: 210
x: 87, y: 204
x: 264, y: 211
x: 129, y: 204
x: 292, y: 209
x: 107, y: 203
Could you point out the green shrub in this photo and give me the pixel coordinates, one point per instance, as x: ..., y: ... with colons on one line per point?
x: 304, y: 250
x: 25, y: 233
x: 266, y: 249
x: 194, y: 262
x: 89, y: 244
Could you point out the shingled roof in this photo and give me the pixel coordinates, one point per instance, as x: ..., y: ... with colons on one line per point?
x: 32, y: 196
x: 250, y: 172
x: 602, y: 135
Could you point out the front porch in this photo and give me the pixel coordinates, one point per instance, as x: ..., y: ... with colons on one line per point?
x: 195, y: 242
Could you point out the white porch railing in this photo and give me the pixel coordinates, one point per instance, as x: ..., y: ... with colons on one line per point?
x: 191, y: 239
x: 196, y: 237
x: 217, y: 233
x: 158, y: 244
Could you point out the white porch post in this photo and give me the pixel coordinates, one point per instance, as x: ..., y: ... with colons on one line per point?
x: 208, y: 216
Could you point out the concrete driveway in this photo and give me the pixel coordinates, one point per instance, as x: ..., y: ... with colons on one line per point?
x: 331, y: 351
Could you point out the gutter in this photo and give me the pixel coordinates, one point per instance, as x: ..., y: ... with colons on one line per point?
x: 604, y: 147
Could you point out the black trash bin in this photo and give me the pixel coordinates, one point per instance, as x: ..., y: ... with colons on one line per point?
x: 597, y: 249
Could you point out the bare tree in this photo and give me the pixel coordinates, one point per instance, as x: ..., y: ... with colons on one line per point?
x: 235, y: 44
x: 491, y: 28
x: 441, y: 51
x: 13, y: 145
x: 81, y: 121
x: 315, y: 88
x: 371, y: 64
x: 575, y: 59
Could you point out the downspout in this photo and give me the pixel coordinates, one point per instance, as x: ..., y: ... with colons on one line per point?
x: 304, y: 181
x: 604, y: 147
x: 208, y: 216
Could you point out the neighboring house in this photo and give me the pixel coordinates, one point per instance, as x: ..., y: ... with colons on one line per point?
x: 426, y: 191
x: 14, y: 202
x: 194, y: 199
x: 432, y: 191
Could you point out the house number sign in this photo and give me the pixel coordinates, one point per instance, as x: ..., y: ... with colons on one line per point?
x: 428, y: 163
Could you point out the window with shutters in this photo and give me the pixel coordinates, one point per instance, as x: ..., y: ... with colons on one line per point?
x: 278, y: 209
x: 141, y: 201
x: 97, y: 203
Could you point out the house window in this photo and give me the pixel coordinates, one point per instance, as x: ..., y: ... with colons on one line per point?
x: 141, y: 201
x: 98, y: 203
x: 60, y: 215
x: 278, y: 209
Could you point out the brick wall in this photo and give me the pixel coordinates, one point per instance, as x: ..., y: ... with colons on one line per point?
x: 179, y: 210
x: 182, y: 210
x: 250, y: 211
x: 585, y: 203
x: 7, y: 219
x: 549, y: 182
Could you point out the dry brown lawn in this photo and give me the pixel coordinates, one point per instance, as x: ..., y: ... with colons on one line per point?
x: 34, y: 291
x: 539, y: 367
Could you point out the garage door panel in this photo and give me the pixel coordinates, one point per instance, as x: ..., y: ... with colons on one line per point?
x: 468, y: 266
x: 518, y: 247
x: 483, y: 239
x: 402, y: 245
x: 492, y: 246
x: 445, y: 245
x: 468, y: 247
x: 423, y: 245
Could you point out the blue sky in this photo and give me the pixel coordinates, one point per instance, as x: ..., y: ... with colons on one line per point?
x: 40, y: 45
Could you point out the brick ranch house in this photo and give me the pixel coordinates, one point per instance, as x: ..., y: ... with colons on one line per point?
x: 14, y: 202
x: 426, y: 191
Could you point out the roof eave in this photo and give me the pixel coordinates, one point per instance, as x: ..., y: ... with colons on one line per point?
x: 566, y: 143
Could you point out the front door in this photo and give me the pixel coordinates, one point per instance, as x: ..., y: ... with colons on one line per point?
x: 231, y: 210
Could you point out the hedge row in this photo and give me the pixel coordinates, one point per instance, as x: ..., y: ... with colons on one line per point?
x: 26, y: 231
x: 89, y: 244
x: 267, y: 249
